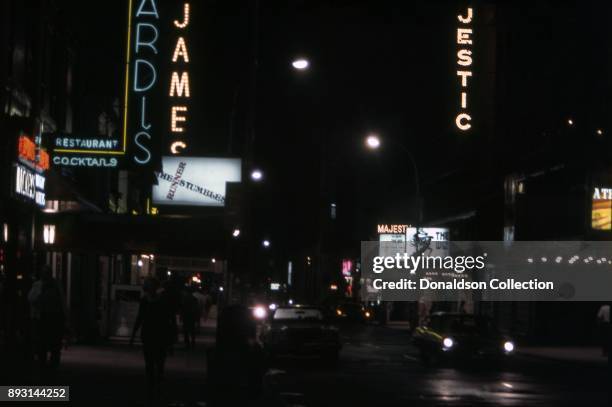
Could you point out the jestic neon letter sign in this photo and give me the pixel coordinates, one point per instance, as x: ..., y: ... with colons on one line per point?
x: 463, y: 121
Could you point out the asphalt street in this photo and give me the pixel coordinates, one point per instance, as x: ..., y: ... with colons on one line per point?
x: 378, y: 367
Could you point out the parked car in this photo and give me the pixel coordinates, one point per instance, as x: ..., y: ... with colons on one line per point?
x: 459, y: 336
x: 301, y: 330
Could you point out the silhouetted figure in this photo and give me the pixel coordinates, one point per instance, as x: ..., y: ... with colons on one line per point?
x: 48, y: 314
x: 603, y: 319
x: 189, y: 314
x: 237, y: 363
x: 156, y: 332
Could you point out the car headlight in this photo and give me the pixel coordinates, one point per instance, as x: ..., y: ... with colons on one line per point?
x: 448, y: 343
x: 272, y: 306
x: 508, y: 346
x: 259, y: 312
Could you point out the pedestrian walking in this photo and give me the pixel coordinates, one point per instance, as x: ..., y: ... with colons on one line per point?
x: 189, y: 313
x: 156, y: 332
x: 48, y: 315
x: 603, y: 320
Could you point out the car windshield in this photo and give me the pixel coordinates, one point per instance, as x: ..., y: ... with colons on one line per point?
x: 467, y: 325
x: 297, y: 314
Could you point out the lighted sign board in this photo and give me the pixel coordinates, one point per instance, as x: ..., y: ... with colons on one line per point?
x: 392, y: 229
x: 76, y: 151
x: 195, y: 181
x: 31, y: 155
x: 29, y: 184
x: 463, y: 120
x: 601, y: 210
x: 157, y: 79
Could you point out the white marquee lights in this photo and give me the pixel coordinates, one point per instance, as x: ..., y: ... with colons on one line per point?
x: 463, y: 121
x: 185, y: 22
x: 179, y: 83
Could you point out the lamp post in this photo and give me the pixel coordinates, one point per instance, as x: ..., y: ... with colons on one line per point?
x: 373, y: 142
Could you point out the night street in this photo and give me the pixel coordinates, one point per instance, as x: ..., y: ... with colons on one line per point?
x: 305, y: 203
x: 373, y: 360
x: 379, y: 367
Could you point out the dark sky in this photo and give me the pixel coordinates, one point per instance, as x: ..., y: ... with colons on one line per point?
x: 382, y: 66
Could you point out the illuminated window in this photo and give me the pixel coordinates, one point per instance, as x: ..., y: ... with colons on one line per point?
x: 180, y: 50
x: 180, y: 87
x: 185, y: 22
x: 176, y: 118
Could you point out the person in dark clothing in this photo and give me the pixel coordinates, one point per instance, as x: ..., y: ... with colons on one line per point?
x: 189, y: 314
x: 155, y: 323
x: 237, y: 363
x: 48, y: 312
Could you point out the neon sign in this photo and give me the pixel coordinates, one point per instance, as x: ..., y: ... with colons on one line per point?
x: 143, y: 77
x: 463, y: 121
x: 179, y: 83
x: 29, y: 154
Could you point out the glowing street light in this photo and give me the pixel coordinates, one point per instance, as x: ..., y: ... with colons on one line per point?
x: 236, y: 233
x: 372, y: 142
x: 256, y: 175
x: 300, y: 64
x: 266, y: 243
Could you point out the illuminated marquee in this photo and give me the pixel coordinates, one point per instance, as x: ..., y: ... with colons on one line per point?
x: 463, y: 121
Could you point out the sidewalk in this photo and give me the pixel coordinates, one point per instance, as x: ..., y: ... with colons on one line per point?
x: 113, y: 373
x: 588, y: 355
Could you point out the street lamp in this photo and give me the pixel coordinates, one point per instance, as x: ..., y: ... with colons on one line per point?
x: 300, y: 64
x: 236, y: 233
x: 256, y: 175
x: 373, y: 142
x: 266, y: 243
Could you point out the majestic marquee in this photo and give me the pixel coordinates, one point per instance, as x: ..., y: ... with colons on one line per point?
x: 463, y: 120
x: 195, y: 181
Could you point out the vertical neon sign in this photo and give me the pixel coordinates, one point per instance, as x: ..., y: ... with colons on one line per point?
x: 463, y: 121
x: 179, y: 84
x: 141, y: 76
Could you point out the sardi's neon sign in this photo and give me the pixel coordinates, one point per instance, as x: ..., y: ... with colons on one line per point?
x: 463, y: 121
x: 142, y: 77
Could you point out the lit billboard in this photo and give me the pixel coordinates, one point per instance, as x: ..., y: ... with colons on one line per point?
x: 601, y: 211
x: 195, y: 181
